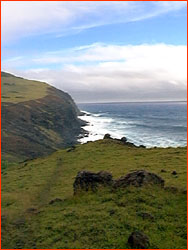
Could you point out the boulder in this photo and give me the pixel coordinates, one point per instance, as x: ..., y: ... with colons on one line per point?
x: 107, y: 136
x: 138, y: 240
x: 139, y: 178
x: 123, y: 139
x: 163, y: 171
x: 174, y: 172
x: 86, y: 180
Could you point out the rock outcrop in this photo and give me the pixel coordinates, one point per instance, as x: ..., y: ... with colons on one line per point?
x: 123, y: 141
x: 107, y: 136
x: 174, y: 172
x: 86, y: 180
x: 138, y: 179
x: 138, y: 240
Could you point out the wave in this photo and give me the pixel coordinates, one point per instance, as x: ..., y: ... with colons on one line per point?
x: 137, y: 131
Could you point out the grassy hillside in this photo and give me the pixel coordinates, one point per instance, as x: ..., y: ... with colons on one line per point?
x: 103, y: 219
x: 37, y: 119
x: 17, y: 89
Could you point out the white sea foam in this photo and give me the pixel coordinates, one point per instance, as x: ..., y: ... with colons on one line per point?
x: 101, y: 124
x: 97, y: 127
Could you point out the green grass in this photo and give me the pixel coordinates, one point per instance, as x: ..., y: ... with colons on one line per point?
x: 4, y: 165
x: 93, y: 220
x: 15, y: 89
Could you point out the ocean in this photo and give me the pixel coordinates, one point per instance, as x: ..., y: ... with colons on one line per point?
x: 159, y: 124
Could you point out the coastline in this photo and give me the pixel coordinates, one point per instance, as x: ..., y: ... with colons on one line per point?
x: 92, y: 131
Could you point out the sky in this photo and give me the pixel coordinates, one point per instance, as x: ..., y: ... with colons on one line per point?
x: 97, y: 51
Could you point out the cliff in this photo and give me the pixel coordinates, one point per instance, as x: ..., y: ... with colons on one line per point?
x: 37, y: 119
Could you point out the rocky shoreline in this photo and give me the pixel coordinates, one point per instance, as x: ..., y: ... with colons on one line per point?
x: 85, y: 133
x: 124, y: 140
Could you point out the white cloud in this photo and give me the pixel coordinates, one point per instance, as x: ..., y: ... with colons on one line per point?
x: 97, y: 72
x: 112, y: 72
x: 25, y: 18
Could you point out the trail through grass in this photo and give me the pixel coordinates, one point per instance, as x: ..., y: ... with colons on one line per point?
x: 93, y: 220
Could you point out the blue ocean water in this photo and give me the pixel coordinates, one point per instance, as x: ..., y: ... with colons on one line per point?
x: 150, y: 124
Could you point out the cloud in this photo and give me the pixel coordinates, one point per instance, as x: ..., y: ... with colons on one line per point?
x: 101, y: 72
x: 24, y: 18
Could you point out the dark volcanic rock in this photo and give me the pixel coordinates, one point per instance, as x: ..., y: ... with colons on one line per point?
x: 56, y: 200
x: 86, y: 181
x: 139, y: 178
x: 81, y: 113
x: 107, y: 136
x: 174, y: 173
x: 123, y: 139
x: 163, y: 171
x: 138, y: 240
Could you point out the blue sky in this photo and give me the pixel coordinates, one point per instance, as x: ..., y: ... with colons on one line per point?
x: 99, y: 51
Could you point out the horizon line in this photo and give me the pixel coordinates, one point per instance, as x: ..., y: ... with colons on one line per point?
x: 128, y: 102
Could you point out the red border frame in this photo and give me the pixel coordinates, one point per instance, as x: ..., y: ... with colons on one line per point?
x: 0, y: 103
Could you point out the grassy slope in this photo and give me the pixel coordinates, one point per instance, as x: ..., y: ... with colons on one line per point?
x: 101, y: 220
x: 17, y: 89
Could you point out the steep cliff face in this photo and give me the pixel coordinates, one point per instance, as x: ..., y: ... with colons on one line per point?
x: 36, y: 119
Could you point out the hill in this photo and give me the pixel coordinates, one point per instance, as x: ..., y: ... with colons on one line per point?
x: 17, y: 89
x: 37, y: 119
x: 39, y: 209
